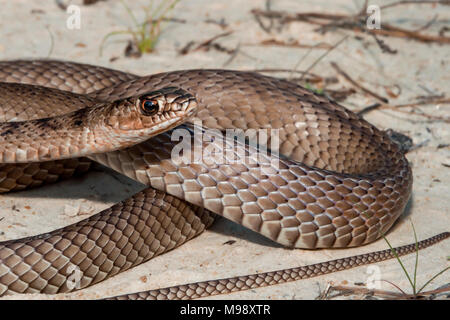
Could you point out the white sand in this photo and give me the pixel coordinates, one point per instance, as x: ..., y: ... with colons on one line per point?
x: 25, y: 28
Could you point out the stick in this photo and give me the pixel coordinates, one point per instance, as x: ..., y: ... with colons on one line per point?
x: 349, y: 79
x: 324, y: 54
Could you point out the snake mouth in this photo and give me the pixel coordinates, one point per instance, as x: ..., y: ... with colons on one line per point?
x: 169, y: 125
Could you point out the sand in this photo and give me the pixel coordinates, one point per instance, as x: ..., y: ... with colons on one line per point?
x: 37, y: 29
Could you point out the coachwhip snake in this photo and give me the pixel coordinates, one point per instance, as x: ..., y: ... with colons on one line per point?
x: 338, y: 182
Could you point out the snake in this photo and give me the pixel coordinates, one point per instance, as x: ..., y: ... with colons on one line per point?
x: 323, y: 178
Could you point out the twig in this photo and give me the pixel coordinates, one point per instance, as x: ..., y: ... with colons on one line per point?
x: 428, y: 116
x: 325, y: 53
x: 387, y: 294
x: 391, y: 31
x: 368, y: 109
x: 339, y: 95
x: 267, y: 29
x: 285, y: 70
x: 394, y: 4
x: 353, y: 82
x: 293, y: 44
x: 165, y: 19
x: 395, y: 286
x: 221, y: 23
x: 383, y: 46
x: 233, y: 55
x: 286, y: 17
x: 312, y: 77
x: 355, y: 23
x: 206, y: 44
x: 211, y: 40
x: 398, y: 108
x: 443, y: 30
x: 428, y: 24
x: 425, y: 102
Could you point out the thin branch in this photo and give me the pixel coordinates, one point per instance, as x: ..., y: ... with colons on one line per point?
x: 394, y: 285
x: 293, y: 44
x: 204, y: 44
x: 386, y: 294
x: 356, y: 22
x: 353, y: 82
x: 325, y: 53
x: 398, y: 3
x: 369, y: 108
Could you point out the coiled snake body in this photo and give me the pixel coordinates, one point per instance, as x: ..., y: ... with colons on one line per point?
x: 339, y: 181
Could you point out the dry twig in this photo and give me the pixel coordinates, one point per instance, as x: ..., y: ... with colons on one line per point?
x: 345, y: 291
x: 355, y: 23
x: 357, y: 85
x: 291, y: 44
x: 207, y: 44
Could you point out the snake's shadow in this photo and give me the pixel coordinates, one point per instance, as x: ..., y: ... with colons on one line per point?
x: 405, y: 215
x: 100, y: 184
x: 228, y: 228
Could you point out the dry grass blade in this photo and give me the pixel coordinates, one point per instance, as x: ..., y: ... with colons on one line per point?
x: 357, y: 85
x: 323, y: 55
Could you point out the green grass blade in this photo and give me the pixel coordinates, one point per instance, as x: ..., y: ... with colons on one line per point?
x: 161, y: 6
x: 417, y: 257
x: 130, y: 13
x: 394, y: 252
x: 434, y: 277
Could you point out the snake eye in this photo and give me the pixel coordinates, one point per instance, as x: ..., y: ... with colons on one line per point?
x: 149, y: 107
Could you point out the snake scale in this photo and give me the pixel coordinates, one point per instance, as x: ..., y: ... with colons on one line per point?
x: 337, y: 182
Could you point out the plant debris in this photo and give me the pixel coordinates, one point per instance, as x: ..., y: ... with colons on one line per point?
x: 355, y: 23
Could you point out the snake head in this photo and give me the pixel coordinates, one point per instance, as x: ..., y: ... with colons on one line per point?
x: 153, y: 112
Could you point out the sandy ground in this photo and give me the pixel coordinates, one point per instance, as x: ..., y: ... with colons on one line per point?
x: 37, y: 29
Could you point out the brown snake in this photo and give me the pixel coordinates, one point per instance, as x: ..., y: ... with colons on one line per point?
x: 339, y: 181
